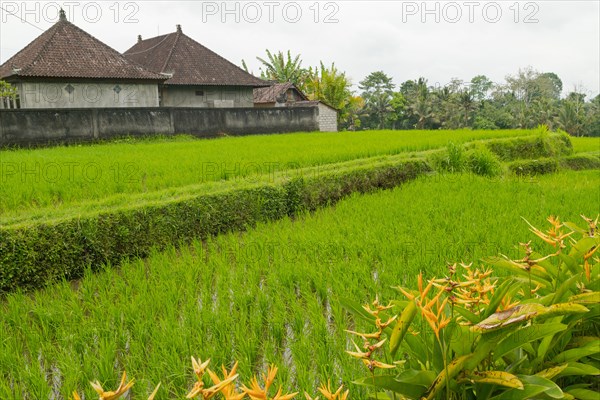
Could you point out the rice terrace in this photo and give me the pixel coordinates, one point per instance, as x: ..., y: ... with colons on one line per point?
x: 196, y: 230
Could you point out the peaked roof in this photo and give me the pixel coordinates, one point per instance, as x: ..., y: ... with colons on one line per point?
x: 189, y: 62
x: 66, y: 51
x: 271, y: 93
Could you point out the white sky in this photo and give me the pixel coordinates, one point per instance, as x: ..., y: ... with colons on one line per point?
x: 401, y: 38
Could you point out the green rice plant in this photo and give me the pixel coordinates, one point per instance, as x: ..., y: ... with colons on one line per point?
x: 451, y: 160
x: 473, y: 335
x: 60, y: 177
x: 269, y: 295
x: 585, y: 144
x: 482, y: 161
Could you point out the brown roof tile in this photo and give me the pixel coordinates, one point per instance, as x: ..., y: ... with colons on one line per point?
x: 271, y: 93
x: 189, y: 62
x: 66, y: 51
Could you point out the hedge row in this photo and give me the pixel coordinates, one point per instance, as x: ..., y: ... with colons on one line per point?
x: 542, y: 166
x: 541, y: 146
x: 580, y: 162
x: 35, y: 256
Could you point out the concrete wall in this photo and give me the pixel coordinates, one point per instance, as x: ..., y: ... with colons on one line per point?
x: 40, y: 126
x: 327, y: 119
x: 207, y: 96
x: 86, y: 95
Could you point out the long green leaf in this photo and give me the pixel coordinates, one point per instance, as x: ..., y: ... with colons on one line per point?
x: 532, y: 387
x: 356, y: 308
x: 526, y: 334
x: 389, y: 382
x: 401, y: 327
x: 583, y: 394
x: 415, y: 377
x: 579, y: 369
x: 577, y: 353
x: 565, y: 287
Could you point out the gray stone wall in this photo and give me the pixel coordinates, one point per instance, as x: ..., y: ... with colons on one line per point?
x: 207, y: 96
x: 62, y: 95
x: 327, y: 119
x: 41, y: 126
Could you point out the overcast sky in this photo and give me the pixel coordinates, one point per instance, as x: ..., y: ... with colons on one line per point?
x: 438, y: 40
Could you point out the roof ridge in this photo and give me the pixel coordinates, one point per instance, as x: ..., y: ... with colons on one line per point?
x: 148, y: 49
x: 168, y: 58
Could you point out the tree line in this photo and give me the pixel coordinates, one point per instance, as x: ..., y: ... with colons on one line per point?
x: 525, y: 100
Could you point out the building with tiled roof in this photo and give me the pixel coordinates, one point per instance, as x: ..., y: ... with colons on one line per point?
x: 286, y: 94
x: 278, y: 95
x: 65, y: 67
x: 197, y: 76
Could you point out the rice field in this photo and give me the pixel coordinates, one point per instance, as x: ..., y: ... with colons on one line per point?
x: 61, y: 176
x: 272, y: 294
x: 585, y: 144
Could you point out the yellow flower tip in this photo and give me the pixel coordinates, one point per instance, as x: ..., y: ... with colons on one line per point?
x: 329, y: 395
x: 307, y: 397
x: 97, y: 387
x: 406, y: 294
x: 279, y: 396
x: 271, y: 373
x: 154, y: 392
x: 374, y: 335
x: 377, y: 345
x: 76, y: 395
x: 358, y: 354
x: 373, y: 364
x: 213, y: 377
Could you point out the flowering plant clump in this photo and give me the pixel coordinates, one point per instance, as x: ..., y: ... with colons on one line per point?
x: 472, y: 334
x: 224, y: 388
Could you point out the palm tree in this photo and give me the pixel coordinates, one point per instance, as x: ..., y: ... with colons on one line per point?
x: 280, y: 68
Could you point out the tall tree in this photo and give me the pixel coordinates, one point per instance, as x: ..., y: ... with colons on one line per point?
x: 571, y: 115
x: 480, y: 87
x: 551, y: 85
x: 377, y: 92
x: 330, y: 86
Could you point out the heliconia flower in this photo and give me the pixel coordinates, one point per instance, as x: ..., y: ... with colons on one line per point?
x: 374, y: 335
x: 255, y: 392
x: 372, y: 364
x: 376, y: 346
x: 199, y: 366
x: 199, y: 390
x: 586, y: 264
x: 207, y: 393
x: 329, y: 395
x: 123, y: 387
x: 593, y: 225
x: 378, y: 307
x: 280, y: 396
x: 384, y: 325
x: 228, y: 391
x: 76, y: 395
